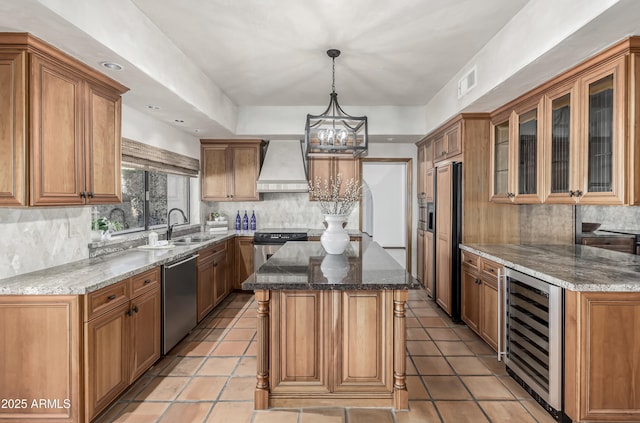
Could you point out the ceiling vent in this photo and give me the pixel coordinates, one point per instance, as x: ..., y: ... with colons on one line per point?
x: 467, y: 82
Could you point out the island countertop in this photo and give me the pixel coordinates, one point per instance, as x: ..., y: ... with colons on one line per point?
x: 304, y: 265
x: 575, y: 267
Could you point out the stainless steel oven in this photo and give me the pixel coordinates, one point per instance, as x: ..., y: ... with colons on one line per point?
x: 267, y: 241
x: 534, y: 338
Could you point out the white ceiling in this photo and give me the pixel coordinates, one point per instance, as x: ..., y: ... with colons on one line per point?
x: 256, y: 67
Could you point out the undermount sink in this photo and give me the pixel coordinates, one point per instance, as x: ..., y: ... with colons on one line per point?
x: 191, y: 240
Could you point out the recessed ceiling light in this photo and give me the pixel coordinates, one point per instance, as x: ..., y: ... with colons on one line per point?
x: 389, y: 139
x: 112, y: 66
x: 179, y: 121
x: 152, y: 107
x: 196, y: 130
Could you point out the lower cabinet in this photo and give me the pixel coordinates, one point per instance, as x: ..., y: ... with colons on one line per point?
x: 421, y: 255
x: 480, y: 297
x: 122, y: 341
x: 212, y: 283
x: 220, y: 290
x: 244, y: 259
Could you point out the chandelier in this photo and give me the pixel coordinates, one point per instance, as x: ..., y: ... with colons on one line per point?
x: 334, y: 132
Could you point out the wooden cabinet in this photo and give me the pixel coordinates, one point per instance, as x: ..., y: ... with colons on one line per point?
x: 212, y: 283
x: 122, y: 338
x: 602, y: 346
x: 480, y: 297
x: 429, y: 264
x: 448, y: 144
x: 62, y: 136
x: 420, y: 255
x: 230, y: 169
x: 244, y: 259
x: 330, y: 167
x: 425, y: 170
x: 231, y: 266
x: 443, y: 238
x: 331, y: 343
x: 623, y: 244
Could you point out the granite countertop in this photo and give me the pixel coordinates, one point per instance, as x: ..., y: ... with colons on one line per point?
x: 304, y: 265
x: 84, y: 276
x: 575, y: 267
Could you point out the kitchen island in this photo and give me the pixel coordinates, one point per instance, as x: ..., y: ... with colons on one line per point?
x: 331, y: 328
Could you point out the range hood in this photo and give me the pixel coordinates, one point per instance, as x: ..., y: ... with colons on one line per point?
x: 283, y: 168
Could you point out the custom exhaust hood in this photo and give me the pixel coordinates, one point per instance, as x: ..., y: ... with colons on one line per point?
x: 283, y: 169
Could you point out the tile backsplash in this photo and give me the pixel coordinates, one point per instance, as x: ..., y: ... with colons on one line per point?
x: 547, y: 224
x: 37, y: 238
x: 612, y: 217
x: 277, y: 210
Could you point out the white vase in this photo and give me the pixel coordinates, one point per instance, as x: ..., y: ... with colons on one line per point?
x: 335, y: 267
x: 335, y: 238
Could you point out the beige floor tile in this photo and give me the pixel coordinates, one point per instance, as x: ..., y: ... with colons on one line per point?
x: 240, y: 334
x: 253, y: 348
x: 230, y: 312
x: 487, y: 388
x: 216, y: 334
x: 432, y: 322
x: 322, y: 415
x: 453, y: 348
x: 461, y: 412
x: 410, y: 368
x: 369, y: 415
x: 221, y: 322
x: 160, y: 364
x: 419, y: 412
x: 537, y: 411
x: 182, y: 366
x: 162, y: 389
x: 142, y: 412
x: 112, y: 413
x: 218, y: 366
x: 197, y: 349
x: 468, y: 366
x: 203, y: 388
x: 417, y: 334
x: 412, y: 322
x: 432, y: 366
x: 231, y: 412
x: 492, y: 363
x: 422, y: 348
x: 446, y: 388
x: 515, y: 388
x: 480, y: 348
x: 197, y: 334
x: 250, y: 312
x: 416, y: 388
x: 442, y: 334
x: 246, y: 323
x: 137, y: 386
x: 230, y: 348
x: 246, y: 367
x: 466, y: 334
x: 424, y: 312
x: 506, y: 411
x: 413, y: 304
x: 276, y: 416
x: 192, y: 412
x: 239, y: 389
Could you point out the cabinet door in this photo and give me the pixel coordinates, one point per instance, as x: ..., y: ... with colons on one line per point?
x: 489, y: 318
x: 145, y: 332
x: 214, y: 173
x: 420, y: 257
x: 429, y: 184
x: 501, y: 160
x: 562, y: 149
x: 443, y: 238
x: 603, y: 137
x: 301, y: 344
x: 428, y: 154
x: 219, y: 276
x: 422, y: 171
x: 205, y: 290
x: 453, y: 140
x: 102, y: 145
x: 13, y: 162
x: 528, y: 154
x: 244, y: 172
x: 57, y: 138
x: 365, y: 342
x: 244, y: 258
x: 107, y: 345
x: 231, y: 265
x: 470, y: 299
x: 348, y: 168
x: 439, y: 148
x: 429, y: 273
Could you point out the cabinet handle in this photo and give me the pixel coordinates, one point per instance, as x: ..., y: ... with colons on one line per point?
x: 128, y: 313
x: 83, y: 194
x: 572, y: 193
x: 135, y: 309
x: 111, y: 297
x: 90, y: 194
x: 491, y: 270
x: 578, y: 193
x: 147, y: 281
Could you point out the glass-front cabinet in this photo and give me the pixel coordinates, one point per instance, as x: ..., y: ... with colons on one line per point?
x: 501, y: 159
x: 528, y: 153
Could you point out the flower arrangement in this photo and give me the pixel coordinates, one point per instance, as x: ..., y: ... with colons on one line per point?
x: 327, y: 193
x: 105, y: 225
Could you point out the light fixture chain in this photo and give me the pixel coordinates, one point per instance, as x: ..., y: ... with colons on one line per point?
x: 333, y: 67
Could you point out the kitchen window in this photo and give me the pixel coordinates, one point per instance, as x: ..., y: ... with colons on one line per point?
x: 147, y: 196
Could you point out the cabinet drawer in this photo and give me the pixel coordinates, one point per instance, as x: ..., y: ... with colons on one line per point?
x: 216, y: 248
x: 622, y: 244
x: 470, y: 259
x: 145, y: 281
x: 487, y: 267
x: 105, y: 299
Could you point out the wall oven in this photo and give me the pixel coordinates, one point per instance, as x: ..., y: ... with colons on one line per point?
x: 267, y: 241
x: 534, y: 339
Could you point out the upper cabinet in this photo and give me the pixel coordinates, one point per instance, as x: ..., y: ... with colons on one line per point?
x: 330, y: 167
x: 230, y: 169
x: 572, y: 140
x: 448, y: 143
x: 60, y: 140
x: 425, y: 170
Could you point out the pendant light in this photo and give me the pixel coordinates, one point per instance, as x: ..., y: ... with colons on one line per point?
x: 334, y: 132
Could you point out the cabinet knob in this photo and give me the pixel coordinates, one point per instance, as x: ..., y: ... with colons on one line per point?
x: 128, y: 313
x: 135, y: 309
x: 572, y: 193
x: 90, y: 194
x: 83, y: 194
x: 578, y: 193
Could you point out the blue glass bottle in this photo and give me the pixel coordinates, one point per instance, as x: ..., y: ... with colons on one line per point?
x: 253, y: 220
x: 245, y: 222
x: 238, y: 222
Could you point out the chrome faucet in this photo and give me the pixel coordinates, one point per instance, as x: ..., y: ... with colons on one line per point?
x: 169, y: 226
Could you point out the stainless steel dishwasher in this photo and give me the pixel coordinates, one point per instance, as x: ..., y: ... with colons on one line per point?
x: 179, y: 307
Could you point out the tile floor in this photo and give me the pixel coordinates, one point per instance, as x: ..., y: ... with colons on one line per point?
x: 452, y: 377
